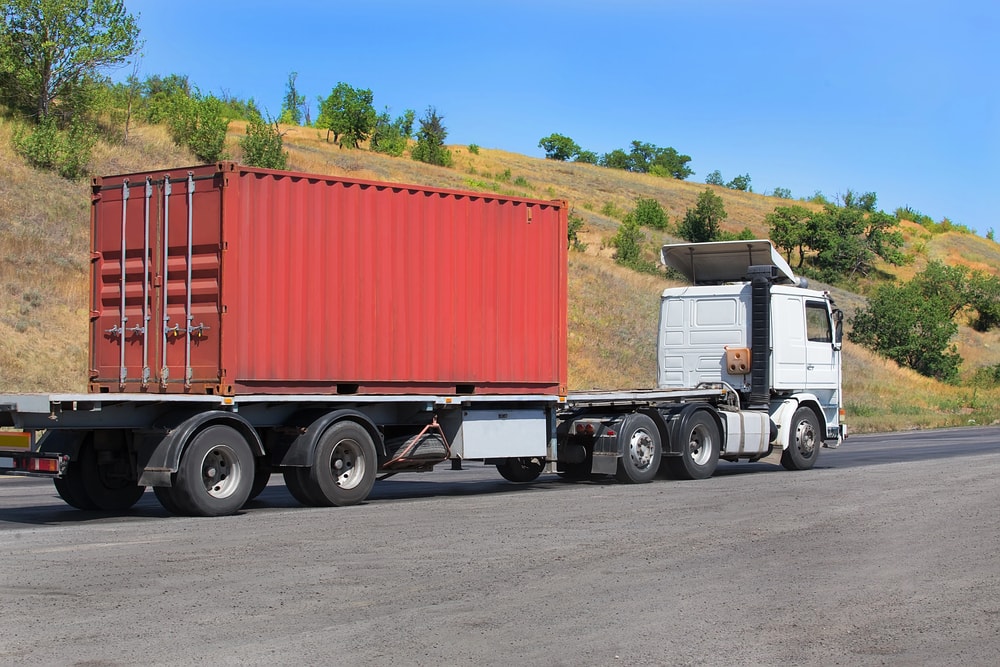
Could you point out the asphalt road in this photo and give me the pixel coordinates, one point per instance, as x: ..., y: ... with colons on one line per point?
x: 886, y: 553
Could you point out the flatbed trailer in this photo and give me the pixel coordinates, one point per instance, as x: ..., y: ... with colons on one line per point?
x: 248, y: 322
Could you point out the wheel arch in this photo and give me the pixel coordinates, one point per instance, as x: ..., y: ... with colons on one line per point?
x: 782, y: 416
x: 302, y: 450
x: 160, y: 455
x: 677, y: 420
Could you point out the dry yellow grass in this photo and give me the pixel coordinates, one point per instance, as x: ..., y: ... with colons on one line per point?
x: 612, y: 311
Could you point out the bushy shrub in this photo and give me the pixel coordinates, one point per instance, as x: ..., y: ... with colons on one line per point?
x: 66, y: 152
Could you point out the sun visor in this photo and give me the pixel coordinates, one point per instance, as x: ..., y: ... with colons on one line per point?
x: 725, y: 261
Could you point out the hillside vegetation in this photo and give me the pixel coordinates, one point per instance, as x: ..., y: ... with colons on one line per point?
x: 44, y: 228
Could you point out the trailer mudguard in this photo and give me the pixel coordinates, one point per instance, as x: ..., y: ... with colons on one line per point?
x: 676, y: 423
x: 159, y: 452
x: 302, y: 451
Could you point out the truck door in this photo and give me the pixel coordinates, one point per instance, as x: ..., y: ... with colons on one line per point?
x: 822, y: 359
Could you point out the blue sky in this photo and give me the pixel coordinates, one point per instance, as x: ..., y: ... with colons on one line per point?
x: 899, y: 98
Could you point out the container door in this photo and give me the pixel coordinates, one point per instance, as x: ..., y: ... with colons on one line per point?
x: 156, y: 255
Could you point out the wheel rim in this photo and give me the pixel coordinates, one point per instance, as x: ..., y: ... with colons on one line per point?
x: 641, y: 449
x: 805, y: 438
x: 347, y: 462
x: 700, y: 447
x: 221, y: 471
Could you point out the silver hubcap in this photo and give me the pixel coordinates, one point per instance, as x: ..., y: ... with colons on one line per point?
x: 700, y: 447
x: 221, y: 471
x: 348, y: 464
x: 805, y: 437
x: 641, y: 449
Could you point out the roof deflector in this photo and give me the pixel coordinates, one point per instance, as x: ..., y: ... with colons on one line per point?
x: 725, y: 261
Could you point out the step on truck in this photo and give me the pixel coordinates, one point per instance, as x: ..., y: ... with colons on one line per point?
x: 247, y: 322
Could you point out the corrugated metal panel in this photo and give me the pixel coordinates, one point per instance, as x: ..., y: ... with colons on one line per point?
x: 314, y: 284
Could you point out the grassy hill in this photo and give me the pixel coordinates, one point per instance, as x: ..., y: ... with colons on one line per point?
x: 44, y: 296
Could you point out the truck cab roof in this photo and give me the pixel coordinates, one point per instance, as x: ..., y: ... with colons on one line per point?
x: 725, y: 261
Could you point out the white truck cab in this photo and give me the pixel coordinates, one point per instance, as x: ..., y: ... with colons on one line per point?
x: 750, y: 324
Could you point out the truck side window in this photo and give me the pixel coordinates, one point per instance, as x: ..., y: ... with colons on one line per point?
x: 818, y: 327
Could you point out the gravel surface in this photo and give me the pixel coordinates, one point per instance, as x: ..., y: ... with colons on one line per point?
x: 879, y: 564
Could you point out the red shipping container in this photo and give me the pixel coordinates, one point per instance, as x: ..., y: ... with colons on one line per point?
x: 239, y: 280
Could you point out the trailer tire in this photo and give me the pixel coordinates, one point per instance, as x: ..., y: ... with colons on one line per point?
x: 261, y: 476
x: 521, y: 470
x: 700, y: 443
x: 344, y: 470
x: 165, y: 494
x: 297, y: 482
x: 804, y: 441
x: 71, y: 489
x: 215, y: 474
x: 107, y: 485
x: 640, y: 459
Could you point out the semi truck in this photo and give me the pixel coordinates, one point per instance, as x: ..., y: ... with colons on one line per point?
x: 247, y: 322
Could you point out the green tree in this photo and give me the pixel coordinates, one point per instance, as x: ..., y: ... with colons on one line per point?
x: 391, y: 136
x: 782, y: 193
x: 430, y: 146
x: 715, y: 178
x: 616, y: 159
x: 558, y: 147
x: 789, y: 229
x: 50, y: 47
x: 586, y: 157
x: 741, y: 182
x: 263, y: 146
x: 648, y: 158
x: 906, y: 324
x: 291, y: 105
x: 66, y: 152
x: 348, y: 113
x: 648, y: 213
x: 702, y: 223
x: 159, y: 94
x: 849, y: 239
x: 200, y: 123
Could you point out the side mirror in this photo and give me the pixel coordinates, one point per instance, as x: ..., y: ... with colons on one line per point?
x: 838, y: 328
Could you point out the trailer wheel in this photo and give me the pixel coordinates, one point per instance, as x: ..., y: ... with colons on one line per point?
x: 345, y: 466
x: 165, y: 494
x: 700, y: 443
x: 640, y: 458
x: 521, y: 470
x: 804, y: 445
x: 297, y: 482
x: 261, y: 476
x: 106, y: 478
x: 71, y: 489
x: 216, y: 473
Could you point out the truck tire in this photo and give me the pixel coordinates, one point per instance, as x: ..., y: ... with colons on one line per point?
x: 641, y: 452
x: 261, y: 476
x: 297, y: 482
x: 700, y: 444
x: 521, y: 470
x: 165, y: 494
x: 108, y: 484
x: 804, y: 441
x: 345, y: 466
x: 71, y: 489
x: 215, y: 474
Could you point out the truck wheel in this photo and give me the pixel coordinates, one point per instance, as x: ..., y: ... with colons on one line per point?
x: 71, y: 489
x: 804, y: 441
x: 216, y: 473
x: 345, y: 466
x: 297, y: 482
x: 261, y: 476
x: 165, y: 494
x: 640, y: 458
x: 700, y: 444
x: 107, y: 480
x: 521, y: 470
